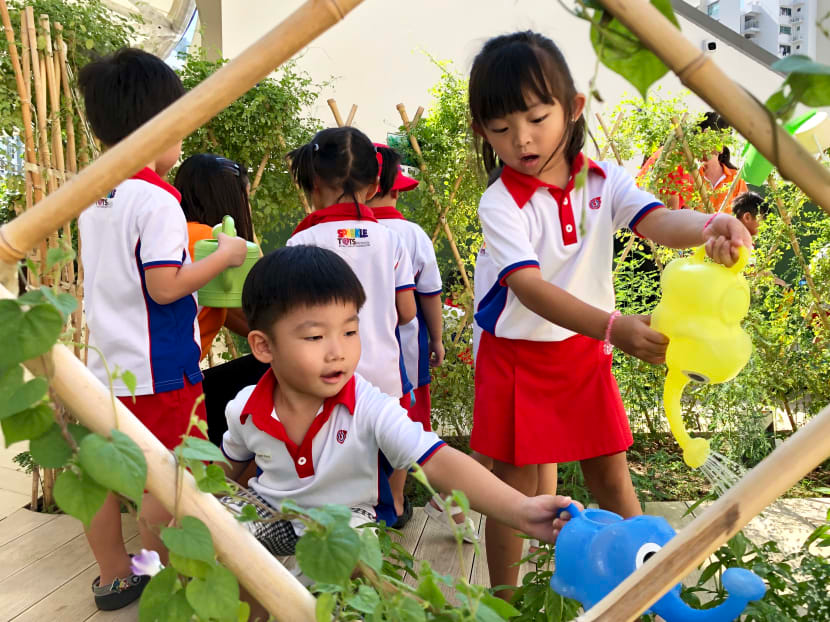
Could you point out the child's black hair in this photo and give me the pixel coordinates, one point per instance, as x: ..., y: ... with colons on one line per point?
x: 297, y: 276
x: 507, y: 70
x: 213, y: 186
x: 125, y: 90
x: 713, y: 121
x: 749, y: 203
x: 389, y: 170
x: 342, y: 158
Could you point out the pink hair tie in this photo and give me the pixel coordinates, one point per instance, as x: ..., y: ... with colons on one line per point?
x: 607, y: 347
x: 709, y: 221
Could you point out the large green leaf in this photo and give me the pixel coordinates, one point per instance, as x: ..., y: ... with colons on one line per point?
x: 27, y: 334
x: 79, y: 496
x: 329, y: 557
x: 191, y: 540
x: 215, y: 597
x: 156, y: 595
x: 809, y: 81
x: 199, y: 449
x: 177, y: 609
x: 213, y: 481
x: 23, y: 396
x: 365, y: 600
x: 621, y: 51
x: 117, y: 463
x: 28, y: 424
x: 370, y: 549
x: 51, y: 450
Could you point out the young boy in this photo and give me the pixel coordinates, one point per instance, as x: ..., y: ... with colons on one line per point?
x: 138, y: 293
x: 749, y: 208
x: 318, y: 432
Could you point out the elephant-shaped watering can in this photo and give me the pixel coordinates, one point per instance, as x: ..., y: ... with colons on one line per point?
x: 700, y: 312
x: 596, y: 550
x: 225, y: 289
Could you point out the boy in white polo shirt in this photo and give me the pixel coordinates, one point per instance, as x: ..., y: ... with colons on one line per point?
x: 318, y: 432
x: 139, y: 297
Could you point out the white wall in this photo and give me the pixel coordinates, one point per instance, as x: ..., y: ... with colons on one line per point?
x: 374, y: 52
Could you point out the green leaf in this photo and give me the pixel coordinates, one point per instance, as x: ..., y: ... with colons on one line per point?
x: 370, y: 550
x: 78, y: 495
x: 63, y: 302
x: 365, y: 601
x: 810, y: 89
x: 27, y: 334
x: 329, y: 557
x: 155, y: 596
x: 324, y: 607
x: 191, y: 540
x: 216, y: 596
x: 410, y: 611
x: 501, y: 607
x: 243, y: 611
x: 708, y: 572
x: 799, y: 63
x: 330, y: 515
x: 51, y: 450
x: 23, y: 396
x: 247, y: 514
x: 129, y: 380
x: 428, y: 589
x: 214, y: 480
x: 117, y: 463
x: 622, y: 52
x: 58, y: 255
x: 194, y: 448
x: 190, y: 567
x: 177, y: 609
x: 28, y: 424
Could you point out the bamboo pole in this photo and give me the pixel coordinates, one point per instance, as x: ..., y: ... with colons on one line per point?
x: 442, y: 218
x: 71, y: 158
x: 352, y: 113
x: 335, y: 111
x: 745, y: 113
x: 791, y: 461
x: 691, y: 163
x: 614, y: 129
x: 171, y: 125
x: 53, y: 90
x: 608, y: 134
x: 416, y: 119
x: 40, y: 99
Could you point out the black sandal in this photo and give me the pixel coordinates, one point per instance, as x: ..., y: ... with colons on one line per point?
x: 403, y: 519
x: 120, y: 592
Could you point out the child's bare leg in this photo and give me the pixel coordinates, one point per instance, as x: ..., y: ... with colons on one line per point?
x: 504, y: 546
x: 107, y: 543
x: 397, y: 481
x: 485, y: 461
x: 152, y: 519
x: 609, y: 481
x: 547, y: 479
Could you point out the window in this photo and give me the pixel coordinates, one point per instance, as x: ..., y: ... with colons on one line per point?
x: 783, y: 50
x: 713, y: 10
x: 786, y: 11
x: 785, y: 30
x: 798, y: 47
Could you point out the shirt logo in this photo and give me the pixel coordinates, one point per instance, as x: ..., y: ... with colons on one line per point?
x: 353, y: 237
x: 341, y: 436
x: 595, y: 203
x: 105, y: 202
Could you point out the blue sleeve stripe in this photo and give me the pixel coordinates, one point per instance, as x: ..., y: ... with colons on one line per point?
x: 429, y: 453
x: 403, y: 288
x: 162, y: 263
x: 528, y: 263
x: 642, y: 214
x: 231, y: 458
x: 435, y: 293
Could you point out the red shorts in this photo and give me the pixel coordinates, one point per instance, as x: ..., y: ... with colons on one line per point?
x: 421, y: 410
x: 167, y: 414
x: 550, y: 401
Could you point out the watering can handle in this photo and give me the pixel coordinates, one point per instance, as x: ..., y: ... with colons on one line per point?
x: 743, y: 257
x: 571, y: 509
x: 227, y: 226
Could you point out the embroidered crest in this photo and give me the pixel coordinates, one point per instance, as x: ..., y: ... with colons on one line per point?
x: 595, y: 203
x: 341, y: 436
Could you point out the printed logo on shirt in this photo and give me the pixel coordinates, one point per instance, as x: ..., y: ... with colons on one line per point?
x: 341, y: 436
x: 595, y: 203
x: 105, y: 202
x: 353, y: 237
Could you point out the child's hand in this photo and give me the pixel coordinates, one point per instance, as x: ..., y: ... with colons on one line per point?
x: 722, y: 236
x: 633, y: 335
x: 537, y: 516
x: 436, y: 353
x: 235, y: 249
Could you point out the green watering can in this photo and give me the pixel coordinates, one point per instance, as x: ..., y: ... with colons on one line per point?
x: 225, y: 290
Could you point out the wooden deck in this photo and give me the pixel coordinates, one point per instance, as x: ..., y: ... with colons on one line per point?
x: 46, y: 567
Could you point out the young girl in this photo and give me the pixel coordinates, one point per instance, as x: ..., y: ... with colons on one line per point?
x: 213, y: 187
x: 544, y: 388
x: 339, y: 170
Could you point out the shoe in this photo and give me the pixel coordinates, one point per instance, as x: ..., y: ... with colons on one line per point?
x: 437, y: 514
x: 120, y: 592
x: 403, y: 519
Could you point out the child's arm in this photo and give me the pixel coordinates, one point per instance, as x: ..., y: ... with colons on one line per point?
x: 405, y: 305
x: 235, y: 469
x: 167, y: 284
x: 451, y: 469
x: 433, y: 309
x: 685, y: 228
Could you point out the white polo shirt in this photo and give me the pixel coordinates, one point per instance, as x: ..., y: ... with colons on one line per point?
x: 358, y: 436
x: 137, y: 227
x: 379, y: 259
x: 566, y: 233
x: 414, y: 335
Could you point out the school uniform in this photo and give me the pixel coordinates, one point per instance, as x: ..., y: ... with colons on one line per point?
x: 378, y: 258
x: 139, y: 227
x: 544, y: 393
x: 414, y: 336
x: 357, y: 437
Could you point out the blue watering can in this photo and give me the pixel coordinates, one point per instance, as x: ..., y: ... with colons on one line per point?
x: 596, y: 550
x: 225, y: 289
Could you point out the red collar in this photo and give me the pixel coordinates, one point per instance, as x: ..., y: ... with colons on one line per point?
x: 521, y: 187
x: 151, y: 177
x: 333, y: 213
x: 387, y: 213
x: 260, y: 405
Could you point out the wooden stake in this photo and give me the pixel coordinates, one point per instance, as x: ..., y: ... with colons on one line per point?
x: 44, y: 159
x: 352, y: 113
x: 54, y: 90
x: 608, y: 137
x: 691, y: 164
x: 614, y: 128
x: 442, y: 218
x: 416, y: 118
x: 171, y: 125
x: 791, y: 461
x: 335, y: 111
x: 745, y: 113
x: 71, y: 158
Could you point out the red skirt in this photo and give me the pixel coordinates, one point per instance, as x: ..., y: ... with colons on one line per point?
x: 549, y: 401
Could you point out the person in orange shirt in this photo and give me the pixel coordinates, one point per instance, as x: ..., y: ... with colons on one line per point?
x: 718, y: 170
x: 213, y: 187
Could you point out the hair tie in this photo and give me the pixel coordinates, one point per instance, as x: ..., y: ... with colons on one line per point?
x: 316, y: 147
x: 379, y: 158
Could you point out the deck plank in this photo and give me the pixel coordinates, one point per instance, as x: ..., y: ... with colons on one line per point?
x: 22, y: 522
x: 36, y: 544
x: 11, y: 501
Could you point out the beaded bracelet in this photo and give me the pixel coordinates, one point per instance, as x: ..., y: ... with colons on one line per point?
x: 607, y: 347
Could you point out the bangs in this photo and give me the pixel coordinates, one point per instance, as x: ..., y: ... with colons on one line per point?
x: 503, y: 83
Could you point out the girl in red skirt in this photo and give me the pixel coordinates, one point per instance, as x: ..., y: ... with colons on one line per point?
x: 544, y: 388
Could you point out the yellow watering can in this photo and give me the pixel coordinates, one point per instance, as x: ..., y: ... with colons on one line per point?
x: 700, y: 312
x: 225, y: 289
